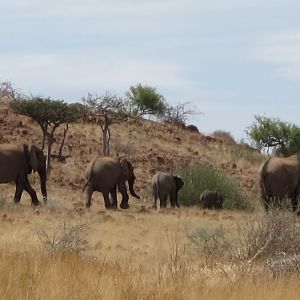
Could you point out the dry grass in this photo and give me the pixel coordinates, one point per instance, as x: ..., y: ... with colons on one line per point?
x: 68, y: 275
x: 136, y: 254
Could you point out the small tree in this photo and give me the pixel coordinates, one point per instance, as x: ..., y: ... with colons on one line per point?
x: 107, y: 110
x: 74, y: 113
x: 49, y: 114
x: 179, y: 114
x: 145, y: 100
x: 268, y: 133
x: 7, y: 91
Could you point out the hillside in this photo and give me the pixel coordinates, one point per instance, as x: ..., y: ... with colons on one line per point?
x: 149, y: 145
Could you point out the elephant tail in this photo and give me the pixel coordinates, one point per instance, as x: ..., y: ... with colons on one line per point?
x: 155, y: 191
x: 262, y: 173
x: 88, y: 174
x: 85, y: 184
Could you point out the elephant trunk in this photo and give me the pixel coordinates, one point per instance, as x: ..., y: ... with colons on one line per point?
x: 43, y: 179
x: 130, y: 184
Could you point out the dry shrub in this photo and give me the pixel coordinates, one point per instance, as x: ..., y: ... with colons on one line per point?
x: 269, y: 243
x: 174, y: 258
x: 68, y: 238
x: 211, y: 243
x: 273, y: 234
x: 242, y: 152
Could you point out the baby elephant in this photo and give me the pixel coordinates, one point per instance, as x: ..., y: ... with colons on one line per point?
x: 211, y: 199
x: 164, y: 185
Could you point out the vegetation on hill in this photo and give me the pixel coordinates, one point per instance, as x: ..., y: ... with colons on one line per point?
x: 282, y: 137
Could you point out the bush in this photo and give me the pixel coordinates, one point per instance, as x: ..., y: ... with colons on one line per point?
x: 276, y: 233
x: 69, y: 238
x: 203, y: 177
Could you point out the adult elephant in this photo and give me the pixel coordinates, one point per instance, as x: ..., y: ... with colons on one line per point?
x: 279, y: 178
x: 105, y: 174
x: 16, y: 162
x: 164, y: 185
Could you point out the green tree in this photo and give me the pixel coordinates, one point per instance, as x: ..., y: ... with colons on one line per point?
x: 145, y: 100
x: 268, y: 133
x: 49, y: 114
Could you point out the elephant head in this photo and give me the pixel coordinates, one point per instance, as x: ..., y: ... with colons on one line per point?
x: 219, y: 202
x: 127, y: 173
x: 37, y: 163
x: 178, y: 182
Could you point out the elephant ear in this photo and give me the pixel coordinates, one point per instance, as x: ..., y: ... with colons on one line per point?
x: 125, y: 166
x: 178, y: 182
x: 33, y: 160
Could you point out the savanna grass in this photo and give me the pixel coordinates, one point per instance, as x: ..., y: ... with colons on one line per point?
x: 203, y: 177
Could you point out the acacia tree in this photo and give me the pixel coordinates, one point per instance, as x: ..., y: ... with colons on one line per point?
x: 145, y: 100
x: 106, y: 110
x: 49, y: 114
x: 268, y: 133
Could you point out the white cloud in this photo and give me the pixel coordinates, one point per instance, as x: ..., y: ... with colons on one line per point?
x: 283, y: 51
x: 76, y: 74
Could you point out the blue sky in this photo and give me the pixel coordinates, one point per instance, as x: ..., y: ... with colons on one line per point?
x: 231, y: 59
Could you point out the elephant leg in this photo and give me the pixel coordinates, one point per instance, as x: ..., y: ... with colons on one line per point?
x: 106, y: 200
x: 154, y: 198
x: 173, y: 199
x: 163, y: 201
x: 19, y: 190
x: 122, y: 189
x: 113, y: 193
x: 88, y: 195
x: 31, y: 192
x: 294, y: 201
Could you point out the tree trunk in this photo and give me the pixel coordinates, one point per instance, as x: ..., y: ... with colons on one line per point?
x: 105, y: 140
x: 62, y: 142
x: 49, y: 145
x: 105, y: 135
x: 43, y: 142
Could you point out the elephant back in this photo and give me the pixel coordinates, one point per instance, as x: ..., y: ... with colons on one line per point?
x: 11, y: 162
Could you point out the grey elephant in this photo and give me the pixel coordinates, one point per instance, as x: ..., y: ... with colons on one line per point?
x: 278, y: 179
x: 164, y: 185
x: 211, y: 200
x: 105, y: 174
x: 16, y: 162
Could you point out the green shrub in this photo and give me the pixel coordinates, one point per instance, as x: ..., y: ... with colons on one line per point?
x: 203, y: 177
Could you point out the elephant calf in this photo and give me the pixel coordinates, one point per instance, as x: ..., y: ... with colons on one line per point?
x: 211, y: 199
x: 164, y: 185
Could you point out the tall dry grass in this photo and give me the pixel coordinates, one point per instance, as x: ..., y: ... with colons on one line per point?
x: 69, y: 275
